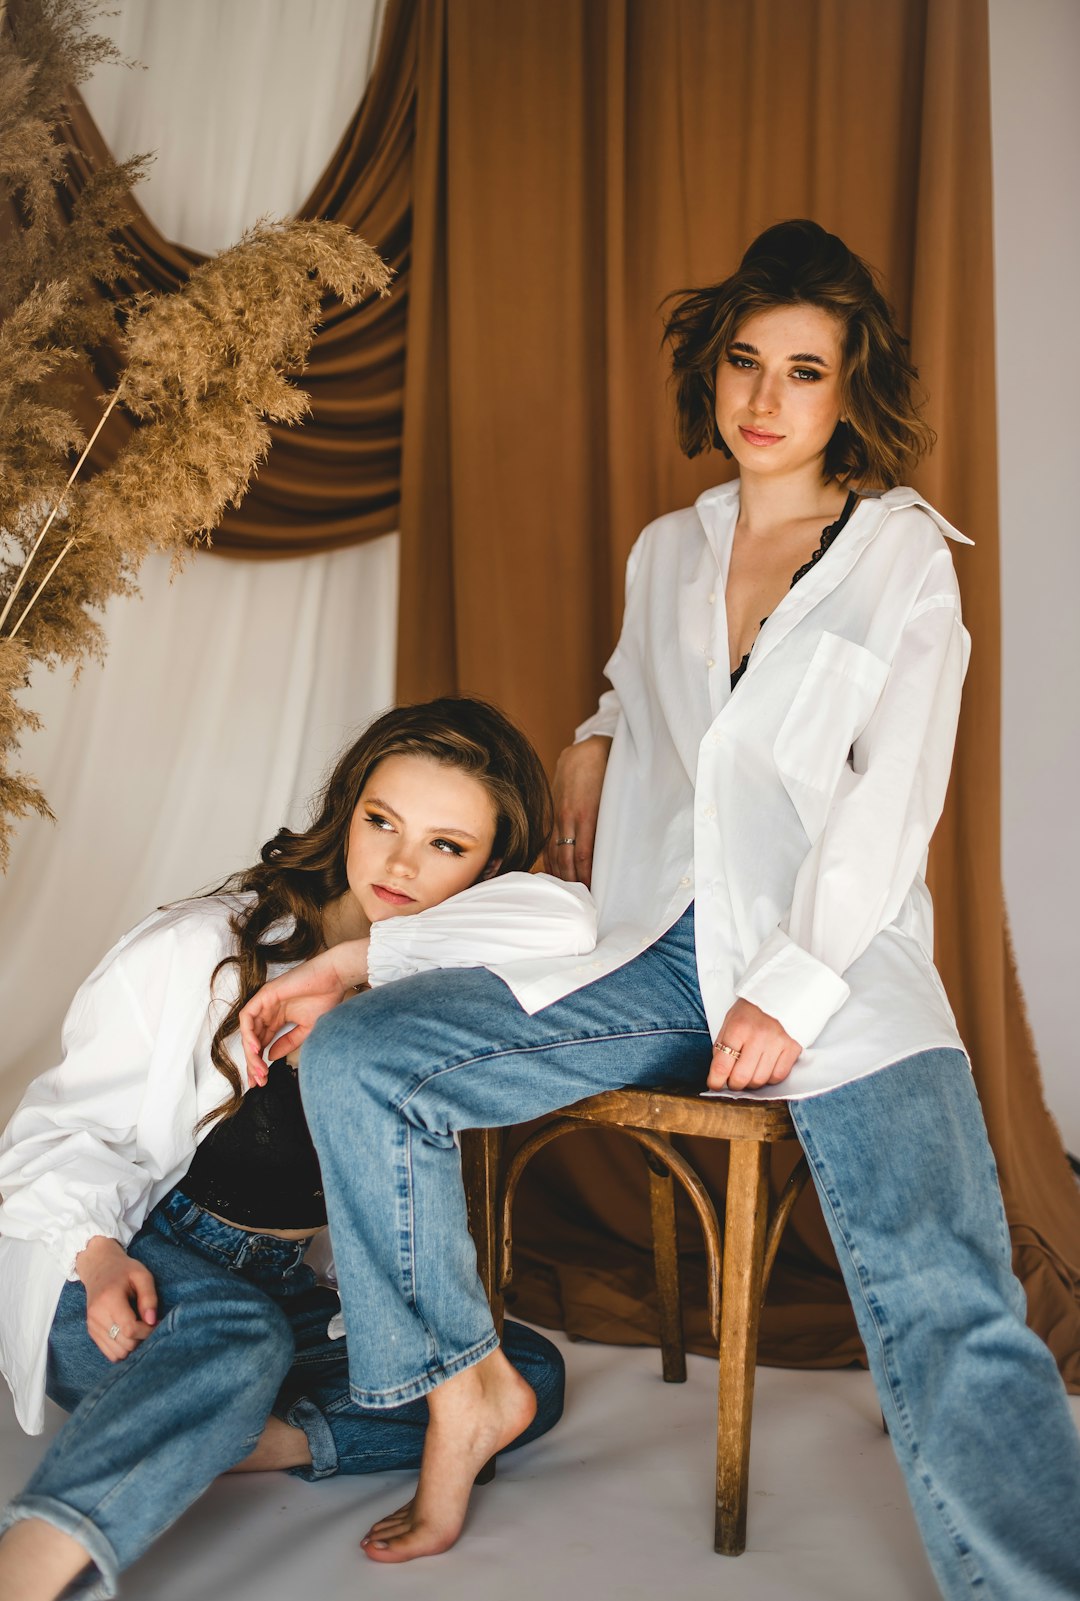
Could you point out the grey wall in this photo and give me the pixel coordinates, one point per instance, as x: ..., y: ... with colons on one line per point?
x: 1035, y: 72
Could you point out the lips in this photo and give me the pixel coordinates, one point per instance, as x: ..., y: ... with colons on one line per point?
x: 392, y: 897
x: 757, y: 436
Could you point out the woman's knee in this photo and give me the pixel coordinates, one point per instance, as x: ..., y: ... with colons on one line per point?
x: 345, y: 1042
x: 334, y: 1068
x: 415, y: 1019
x: 239, y: 1342
x: 379, y: 1041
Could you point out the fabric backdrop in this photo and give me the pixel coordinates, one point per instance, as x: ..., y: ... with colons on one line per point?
x: 638, y: 149
x: 226, y: 692
x: 336, y: 480
x: 541, y: 175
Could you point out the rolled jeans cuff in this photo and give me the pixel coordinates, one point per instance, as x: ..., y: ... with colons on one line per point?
x: 386, y: 1400
x: 304, y: 1414
x: 100, y: 1583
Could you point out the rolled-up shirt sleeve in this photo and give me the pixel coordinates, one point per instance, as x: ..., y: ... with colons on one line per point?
x: 604, y: 719
x: 501, y: 920
x: 886, y: 806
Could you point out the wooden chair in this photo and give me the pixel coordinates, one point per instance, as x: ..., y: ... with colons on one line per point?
x: 740, y: 1255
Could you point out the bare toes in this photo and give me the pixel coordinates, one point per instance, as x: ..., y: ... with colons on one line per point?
x: 392, y: 1523
x: 407, y: 1545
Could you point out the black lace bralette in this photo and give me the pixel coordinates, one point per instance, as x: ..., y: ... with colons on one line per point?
x: 827, y: 537
x: 259, y: 1168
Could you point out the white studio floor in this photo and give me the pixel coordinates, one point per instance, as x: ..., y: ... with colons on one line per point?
x: 615, y: 1503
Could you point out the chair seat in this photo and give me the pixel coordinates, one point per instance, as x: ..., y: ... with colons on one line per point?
x: 688, y: 1112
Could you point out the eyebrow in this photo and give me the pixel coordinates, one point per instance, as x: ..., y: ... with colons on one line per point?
x: 384, y: 806
x: 752, y: 350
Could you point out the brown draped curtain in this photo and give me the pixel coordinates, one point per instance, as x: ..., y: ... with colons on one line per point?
x: 541, y: 175
x: 337, y: 480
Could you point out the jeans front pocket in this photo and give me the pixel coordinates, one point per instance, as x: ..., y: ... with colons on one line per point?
x: 833, y: 704
x: 173, y: 1215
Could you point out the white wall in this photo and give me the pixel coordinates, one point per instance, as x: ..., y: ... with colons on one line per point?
x: 1035, y: 71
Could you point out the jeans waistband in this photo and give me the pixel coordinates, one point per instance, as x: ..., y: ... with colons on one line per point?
x: 178, y: 1216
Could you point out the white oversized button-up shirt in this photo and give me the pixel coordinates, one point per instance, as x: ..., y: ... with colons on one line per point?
x: 796, y: 809
x: 98, y: 1140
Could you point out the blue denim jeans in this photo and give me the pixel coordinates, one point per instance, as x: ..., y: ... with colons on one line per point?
x: 242, y: 1333
x: 977, y: 1411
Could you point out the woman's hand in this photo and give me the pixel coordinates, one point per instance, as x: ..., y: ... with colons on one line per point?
x: 300, y: 997
x: 120, y: 1295
x: 579, y: 778
x: 766, y: 1053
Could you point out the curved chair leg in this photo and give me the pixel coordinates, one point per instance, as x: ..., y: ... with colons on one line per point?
x: 665, y: 1240
x: 740, y: 1313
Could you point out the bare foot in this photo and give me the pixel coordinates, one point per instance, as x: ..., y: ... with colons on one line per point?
x: 472, y: 1415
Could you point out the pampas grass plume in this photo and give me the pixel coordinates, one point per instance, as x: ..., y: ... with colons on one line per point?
x: 206, y: 370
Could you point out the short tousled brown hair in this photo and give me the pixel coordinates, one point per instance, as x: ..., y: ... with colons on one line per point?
x: 798, y: 263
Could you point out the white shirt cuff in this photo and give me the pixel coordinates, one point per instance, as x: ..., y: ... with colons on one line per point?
x: 604, y: 720
x: 800, y: 991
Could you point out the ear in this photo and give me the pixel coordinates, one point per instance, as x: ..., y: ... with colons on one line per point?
x: 491, y: 869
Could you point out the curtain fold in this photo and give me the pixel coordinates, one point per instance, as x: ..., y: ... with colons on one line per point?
x: 595, y: 158
x: 335, y: 481
x: 226, y: 692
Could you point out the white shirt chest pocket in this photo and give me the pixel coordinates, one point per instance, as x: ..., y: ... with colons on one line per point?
x: 833, y: 704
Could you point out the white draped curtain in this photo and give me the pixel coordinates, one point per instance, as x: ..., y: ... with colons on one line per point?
x: 227, y: 691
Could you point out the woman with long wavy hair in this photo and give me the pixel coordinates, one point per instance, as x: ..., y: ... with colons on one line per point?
x: 156, y: 1218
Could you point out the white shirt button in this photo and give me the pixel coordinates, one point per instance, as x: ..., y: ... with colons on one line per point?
x: 684, y: 883
x: 708, y: 811
x: 710, y: 662
x: 712, y: 597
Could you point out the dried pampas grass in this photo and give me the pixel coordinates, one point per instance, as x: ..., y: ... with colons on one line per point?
x: 205, y: 371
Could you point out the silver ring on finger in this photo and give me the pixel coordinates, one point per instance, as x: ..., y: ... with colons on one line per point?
x: 114, y: 1331
x: 571, y: 839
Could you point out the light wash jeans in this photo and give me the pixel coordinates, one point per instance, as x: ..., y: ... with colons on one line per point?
x: 242, y: 1333
x: 977, y: 1412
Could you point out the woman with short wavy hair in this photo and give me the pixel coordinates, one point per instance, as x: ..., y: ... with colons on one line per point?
x: 753, y: 802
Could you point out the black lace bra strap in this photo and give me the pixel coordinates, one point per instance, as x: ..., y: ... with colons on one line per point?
x: 827, y: 536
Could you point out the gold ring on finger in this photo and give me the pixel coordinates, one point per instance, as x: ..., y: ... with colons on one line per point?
x: 729, y: 1050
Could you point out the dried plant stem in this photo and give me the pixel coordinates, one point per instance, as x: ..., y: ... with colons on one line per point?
x: 28, y: 608
x: 48, y: 524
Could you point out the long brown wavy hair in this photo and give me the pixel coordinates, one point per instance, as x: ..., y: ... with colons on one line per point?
x: 299, y: 874
x: 798, y: 263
